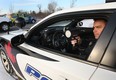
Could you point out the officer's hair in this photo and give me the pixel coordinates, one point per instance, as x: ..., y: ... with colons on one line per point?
x: 105, y: 20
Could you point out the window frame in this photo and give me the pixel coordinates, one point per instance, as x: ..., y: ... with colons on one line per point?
x: 109, y: 59
x: 72, y: 15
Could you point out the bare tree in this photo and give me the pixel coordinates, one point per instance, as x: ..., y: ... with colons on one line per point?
x: 59, y: 8
x: 11, y: 8
x: 72, y: 3
x: 52, y: 6
x: 39, y: 7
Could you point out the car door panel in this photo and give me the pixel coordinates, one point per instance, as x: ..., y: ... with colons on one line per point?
x: 61, y: 69
x: 102, y: 74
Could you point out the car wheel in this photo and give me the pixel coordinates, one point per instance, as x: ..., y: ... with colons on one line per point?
x: 20, y: 22
x: 4, y: 26
x: 7, y: 65
x: 6, y: 62
x: 33, y: 21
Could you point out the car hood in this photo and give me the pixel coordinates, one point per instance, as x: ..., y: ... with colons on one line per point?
x: 13, y: 34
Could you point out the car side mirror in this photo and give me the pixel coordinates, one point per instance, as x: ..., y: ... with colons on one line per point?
x: 17, y: 40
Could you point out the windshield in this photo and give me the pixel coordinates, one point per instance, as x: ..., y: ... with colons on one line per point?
x: 61, y: 23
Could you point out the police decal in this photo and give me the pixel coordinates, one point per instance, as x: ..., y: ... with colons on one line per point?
x: 35, y: 73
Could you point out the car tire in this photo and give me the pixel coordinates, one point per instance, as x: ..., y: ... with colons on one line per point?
x: 7, y: 65
x: 4, y: 26
x: 6, y: 62
x: 33, y: 21
x: 20, y: 22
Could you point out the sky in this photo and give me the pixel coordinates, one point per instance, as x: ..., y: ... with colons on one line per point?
x: 31, y: 5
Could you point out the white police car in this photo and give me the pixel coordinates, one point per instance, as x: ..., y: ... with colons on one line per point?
x: 44, y: 52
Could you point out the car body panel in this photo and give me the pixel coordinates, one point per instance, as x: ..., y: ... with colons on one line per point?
x: 55, y: 66
x: 103, y: 74
x: 11, y: 34
x: 4, y: 19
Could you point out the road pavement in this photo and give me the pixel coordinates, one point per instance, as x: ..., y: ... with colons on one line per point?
x: 3, y: 74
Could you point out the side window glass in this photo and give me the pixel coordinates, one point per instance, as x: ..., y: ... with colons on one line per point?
x: 109, y: 58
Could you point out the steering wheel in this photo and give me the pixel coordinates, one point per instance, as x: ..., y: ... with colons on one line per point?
x: 59, y: 41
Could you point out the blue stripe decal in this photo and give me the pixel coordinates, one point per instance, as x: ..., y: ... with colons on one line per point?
x: 35, y: 73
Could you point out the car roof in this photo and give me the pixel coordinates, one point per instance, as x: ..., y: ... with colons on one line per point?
x: 92, y: 7
x: 103, y: 6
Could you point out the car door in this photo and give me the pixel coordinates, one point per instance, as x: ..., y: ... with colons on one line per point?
x: 51, y: 64
x: 107, y: 67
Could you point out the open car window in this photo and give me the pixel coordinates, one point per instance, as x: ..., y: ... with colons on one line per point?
x: 52, y: 36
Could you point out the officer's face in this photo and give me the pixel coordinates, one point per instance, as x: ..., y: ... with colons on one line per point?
x: 98, y: 28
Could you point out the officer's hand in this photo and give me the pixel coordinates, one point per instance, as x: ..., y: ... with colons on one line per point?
x: 76, y: 40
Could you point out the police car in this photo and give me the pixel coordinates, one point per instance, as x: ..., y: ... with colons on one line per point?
x: 44, y: 52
